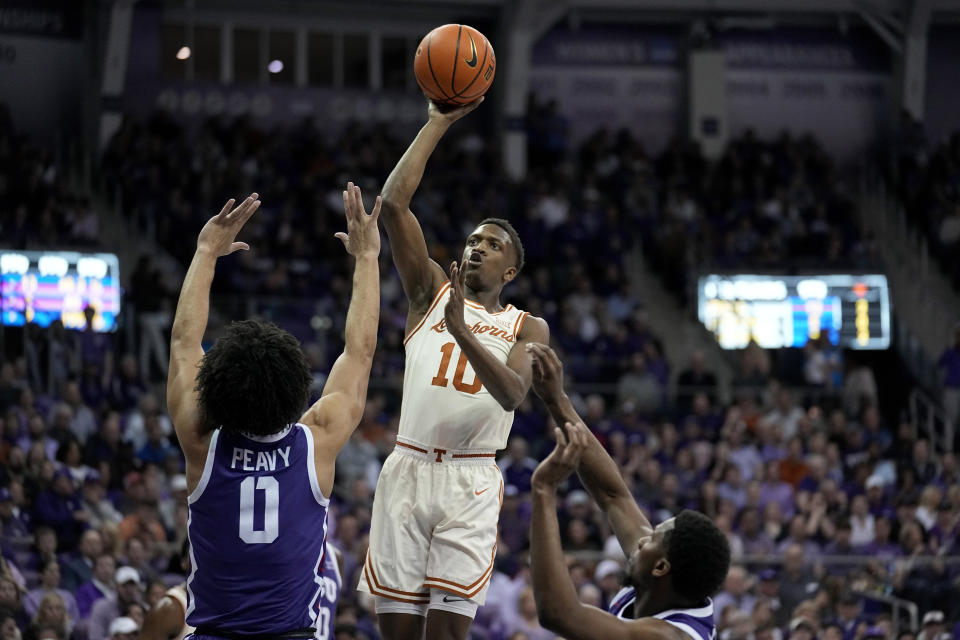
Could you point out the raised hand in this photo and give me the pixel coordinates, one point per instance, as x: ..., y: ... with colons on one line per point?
x: 453, y: 311
x: 565, y: 457
x: 218, y: 235
x: 363, y: 235
x: 547, y: 371
x: 446, y: 114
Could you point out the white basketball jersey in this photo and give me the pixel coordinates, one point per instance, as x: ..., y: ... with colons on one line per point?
x: 444, y: 403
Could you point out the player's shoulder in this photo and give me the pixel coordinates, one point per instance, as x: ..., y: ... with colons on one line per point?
x: 534, y: 329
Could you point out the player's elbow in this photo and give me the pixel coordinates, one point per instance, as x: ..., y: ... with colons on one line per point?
x: 393, y: 199
x: 510, y: 400
x: 552, y: 616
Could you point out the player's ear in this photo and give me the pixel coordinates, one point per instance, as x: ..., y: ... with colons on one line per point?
x: 661, y: 568
x: 509, y: 274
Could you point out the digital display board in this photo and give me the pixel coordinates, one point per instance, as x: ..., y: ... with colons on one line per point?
x: 43, y: 286
x: 853, y: 311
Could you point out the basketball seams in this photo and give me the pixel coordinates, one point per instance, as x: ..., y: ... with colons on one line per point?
x: 480, y: 67
x: 456, y: 63
x: 432, y: 74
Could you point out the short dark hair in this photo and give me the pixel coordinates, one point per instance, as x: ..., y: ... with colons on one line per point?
x: 254, y: 380
x: 514, y: 237
x: 699, y: 556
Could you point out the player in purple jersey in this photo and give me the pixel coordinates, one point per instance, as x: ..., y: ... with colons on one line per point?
x: 671, y: 569
x: 331, y: 572
x: 258, y: 477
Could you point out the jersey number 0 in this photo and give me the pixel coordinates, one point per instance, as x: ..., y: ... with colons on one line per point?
x: 440, y: 380
x: 271, y: 514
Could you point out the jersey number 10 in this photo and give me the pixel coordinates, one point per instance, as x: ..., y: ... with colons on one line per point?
x: 440, y: 380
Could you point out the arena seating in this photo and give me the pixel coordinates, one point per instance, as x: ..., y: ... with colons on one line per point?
x: 831, y: 508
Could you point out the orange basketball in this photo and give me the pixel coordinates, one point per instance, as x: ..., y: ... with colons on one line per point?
x: 454, y: 64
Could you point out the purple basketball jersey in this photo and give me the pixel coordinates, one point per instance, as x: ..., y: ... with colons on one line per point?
x: 330, y: 584
x: 696, y: 623
x: 257, y: 528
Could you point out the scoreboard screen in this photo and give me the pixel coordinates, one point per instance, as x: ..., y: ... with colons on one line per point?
x: 44, y: 286
x: 853, y: 311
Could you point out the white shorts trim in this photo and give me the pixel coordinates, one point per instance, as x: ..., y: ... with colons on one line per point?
x: 383, y: 605
x: 446, y: 601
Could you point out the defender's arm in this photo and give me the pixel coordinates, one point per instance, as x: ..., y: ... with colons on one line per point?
x: 337, y: 413
x: 598, y: 471
x: 558, y: 607
x: 216, y: 239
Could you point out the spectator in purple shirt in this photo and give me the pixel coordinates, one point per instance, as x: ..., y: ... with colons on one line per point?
x: 731, y: 487
x: 59, y: 507
x: 773, y: 489
x: 517, y: 466
x: 755, y: 539
x: 797, y: 536
x: 99, y: 586
x: 881, y: 546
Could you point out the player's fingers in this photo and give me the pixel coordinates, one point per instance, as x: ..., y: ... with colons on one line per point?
x: 246, y: 215
x: 357, y: 201
x: 376, y: 210
x: 537, y: 369
x: 342, y: 237
x: 239, y: 246
x: 241, y: 210
x: 560, y: 437
x: 226, y: 208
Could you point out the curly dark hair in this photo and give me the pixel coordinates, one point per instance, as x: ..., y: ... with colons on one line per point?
x: 254, y: 380
x: 699, y: 555
x: 514, y: 237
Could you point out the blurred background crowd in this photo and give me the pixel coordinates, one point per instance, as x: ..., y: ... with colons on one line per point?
x: 833, y: 506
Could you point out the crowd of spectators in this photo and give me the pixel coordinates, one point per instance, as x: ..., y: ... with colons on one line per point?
x: 92, y: 496
x: 40, y: 209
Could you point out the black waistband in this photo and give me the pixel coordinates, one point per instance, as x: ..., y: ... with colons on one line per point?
x: 304, y: 633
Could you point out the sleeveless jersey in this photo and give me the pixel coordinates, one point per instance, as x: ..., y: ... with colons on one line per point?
x: 257, y: 526
x: 696, y: 623
x: 444, y: 403
x: 329, y: 594
x: 179, y: 595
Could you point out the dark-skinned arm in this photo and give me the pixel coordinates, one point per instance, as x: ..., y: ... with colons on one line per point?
x: 558, y: 607
x: 419, y: 275
x: 508, y: 382
x: 598, y: 472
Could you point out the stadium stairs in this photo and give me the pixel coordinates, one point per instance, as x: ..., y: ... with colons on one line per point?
x: 925, y: 305
x: 681, y: 334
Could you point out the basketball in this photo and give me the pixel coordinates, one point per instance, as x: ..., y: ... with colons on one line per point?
x: 454, y: 64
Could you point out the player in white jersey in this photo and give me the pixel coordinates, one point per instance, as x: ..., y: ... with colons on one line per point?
x: 434, y: 531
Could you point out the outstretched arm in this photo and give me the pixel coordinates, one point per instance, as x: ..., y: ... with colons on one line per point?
x: 338, y: 411
x: 597, y: 470
x: 420, y: 276
x: 507, y: 382
x: 558, y: 607
x: 216, y: 240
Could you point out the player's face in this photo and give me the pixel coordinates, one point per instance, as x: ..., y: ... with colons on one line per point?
x: 489, y: 258
x: 650, y: 551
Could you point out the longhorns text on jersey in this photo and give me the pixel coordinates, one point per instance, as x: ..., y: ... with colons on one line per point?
x: 444, y: 404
